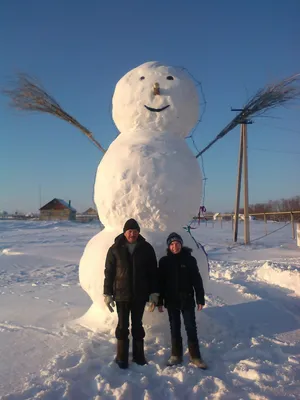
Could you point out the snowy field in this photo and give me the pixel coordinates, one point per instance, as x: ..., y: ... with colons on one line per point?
x: 249, y: 330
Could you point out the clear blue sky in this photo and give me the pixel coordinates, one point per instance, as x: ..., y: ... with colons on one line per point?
x: 80, y: 49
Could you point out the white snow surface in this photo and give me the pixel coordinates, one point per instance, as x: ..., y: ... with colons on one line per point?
x: 248, y: 331
x: 286, y: 276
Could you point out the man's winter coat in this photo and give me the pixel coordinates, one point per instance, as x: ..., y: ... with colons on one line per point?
x: 180, y: 280
x: 127, y: 276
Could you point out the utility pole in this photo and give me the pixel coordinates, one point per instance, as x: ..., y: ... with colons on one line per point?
x: 242, y: 165
x: 40, y: 195
x: 238, y: 188
x: 246, y: 193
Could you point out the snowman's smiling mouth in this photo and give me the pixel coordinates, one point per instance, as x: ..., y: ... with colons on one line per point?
x: 156, y: 109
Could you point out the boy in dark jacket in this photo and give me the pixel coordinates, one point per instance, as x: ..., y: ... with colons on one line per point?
x: 180, y: 282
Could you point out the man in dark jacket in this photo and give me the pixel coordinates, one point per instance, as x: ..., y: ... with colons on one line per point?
x: 130, y: 280
x: 180, y: 283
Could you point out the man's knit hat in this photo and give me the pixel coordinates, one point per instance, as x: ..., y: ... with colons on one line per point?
x: 131, y: 224
x: 174, y: 237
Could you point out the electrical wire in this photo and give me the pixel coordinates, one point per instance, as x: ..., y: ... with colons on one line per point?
x: 273, y: 151
x: 203, y: 104
x: 258, y: 238
x: 281, y: 128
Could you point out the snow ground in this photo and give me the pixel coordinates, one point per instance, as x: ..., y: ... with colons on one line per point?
x: 249, y: 330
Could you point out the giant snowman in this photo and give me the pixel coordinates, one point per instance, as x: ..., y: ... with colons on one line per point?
x: 148, y: 172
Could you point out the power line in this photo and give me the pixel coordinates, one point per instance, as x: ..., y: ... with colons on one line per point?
x: 274, y: 151
x: 203, y: 104
x: 260, y: 237
x: 281, y: 128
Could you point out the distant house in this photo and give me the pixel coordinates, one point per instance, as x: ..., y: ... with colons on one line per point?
x: 217, y: 216
x: 87, y: 216
x: 3, y: 214
x: 242, y: 217
x: 251, y: 217
x: 57, y: 209
x: 90, y: 211
x: 222, y: 217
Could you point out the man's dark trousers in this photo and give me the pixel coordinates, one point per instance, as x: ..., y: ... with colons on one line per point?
x: 136, y: 309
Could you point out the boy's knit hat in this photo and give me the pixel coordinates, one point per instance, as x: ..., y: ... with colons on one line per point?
x: 174, y: 237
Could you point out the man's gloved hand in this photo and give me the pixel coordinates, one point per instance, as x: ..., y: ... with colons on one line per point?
x: 109, y: 301
x: 153, y: 300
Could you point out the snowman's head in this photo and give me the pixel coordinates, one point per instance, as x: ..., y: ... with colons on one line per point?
x: 156, y: 98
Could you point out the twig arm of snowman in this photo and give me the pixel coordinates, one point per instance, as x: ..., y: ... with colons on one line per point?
x: 265, y: 99
x: 28, y: 95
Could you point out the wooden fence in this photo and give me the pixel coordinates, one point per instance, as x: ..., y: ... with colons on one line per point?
x: 292, y: 217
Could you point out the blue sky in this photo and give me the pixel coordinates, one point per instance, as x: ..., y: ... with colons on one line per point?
x: 80, y: 49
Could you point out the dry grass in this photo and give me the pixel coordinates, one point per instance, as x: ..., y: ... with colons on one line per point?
x: 271, y: 96
x: 27, y: 94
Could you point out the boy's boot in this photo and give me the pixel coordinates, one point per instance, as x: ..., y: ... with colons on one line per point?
x: 195, y: 356
x: 138, y: 355
x: 122, y: 353
x: 176, y: 353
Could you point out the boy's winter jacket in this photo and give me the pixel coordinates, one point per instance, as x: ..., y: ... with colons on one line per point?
x: 180, y: 280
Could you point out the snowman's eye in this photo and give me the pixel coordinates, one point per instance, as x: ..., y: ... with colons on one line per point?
x: 170, y: 78
x: 142, y: 78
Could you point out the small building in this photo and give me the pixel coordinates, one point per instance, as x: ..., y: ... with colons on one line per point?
x: 57, y: 210
x: 3, y: 214
x: 251, y: 217
x: 217, y: 216
x: 90, y: 211
x: 87, y: 216
x: 242, y: 217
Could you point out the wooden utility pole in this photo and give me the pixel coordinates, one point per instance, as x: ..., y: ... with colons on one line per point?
x: 246, y: 193
x: 242, y: 166
x: 40, y: 195
x: 238, y: 189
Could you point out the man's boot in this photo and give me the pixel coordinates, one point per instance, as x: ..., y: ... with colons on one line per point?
x: 122, y: 353
x: 176, y: 353
x: 138, y: 355
x: 195, y: 356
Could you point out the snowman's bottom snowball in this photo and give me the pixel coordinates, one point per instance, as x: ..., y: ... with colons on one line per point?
x: 99, y: 319
x: 92, y: 263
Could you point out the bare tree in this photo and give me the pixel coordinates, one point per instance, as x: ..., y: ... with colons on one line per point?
x: 27, y: 94
x: 282, y: 205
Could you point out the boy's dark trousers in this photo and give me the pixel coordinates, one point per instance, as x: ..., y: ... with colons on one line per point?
x: 189, y: 320
x: 135, y: 309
